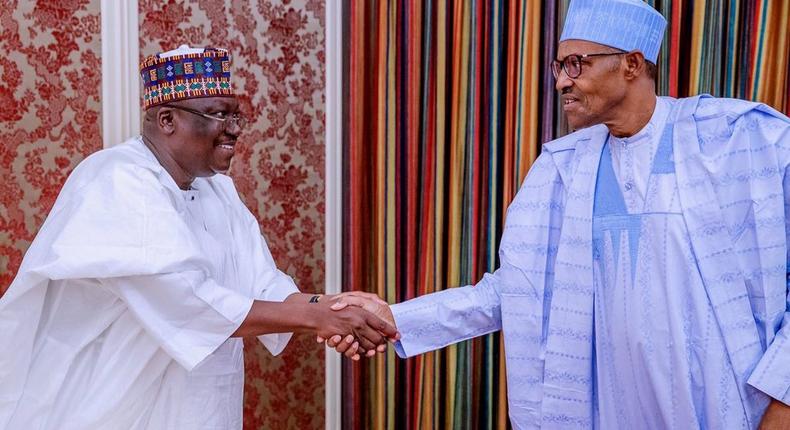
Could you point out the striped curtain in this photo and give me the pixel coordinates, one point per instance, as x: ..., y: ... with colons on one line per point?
x: 448, y: 103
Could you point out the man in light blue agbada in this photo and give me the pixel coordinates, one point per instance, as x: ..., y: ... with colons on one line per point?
x: 643, y: 279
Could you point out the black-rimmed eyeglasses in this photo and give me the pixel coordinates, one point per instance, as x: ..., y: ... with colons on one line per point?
x: 226, y: 121
x: 572, y: 64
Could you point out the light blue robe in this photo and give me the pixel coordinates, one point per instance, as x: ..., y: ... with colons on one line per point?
x: 687, y: 329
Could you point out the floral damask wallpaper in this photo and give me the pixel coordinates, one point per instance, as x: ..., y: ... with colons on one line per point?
x: 278, y: 67
x: 50, y: 119
x: 50, y: 111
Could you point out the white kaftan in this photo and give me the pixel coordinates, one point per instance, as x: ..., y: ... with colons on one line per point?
x: 121, y: 312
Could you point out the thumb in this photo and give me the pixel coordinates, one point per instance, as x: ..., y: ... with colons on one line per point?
x: 338, y: 305
x: 361, y: 302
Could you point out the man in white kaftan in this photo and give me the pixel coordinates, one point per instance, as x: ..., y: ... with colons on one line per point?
x: 643, y: 278
x: 129, y: 306
x: 126, y: 299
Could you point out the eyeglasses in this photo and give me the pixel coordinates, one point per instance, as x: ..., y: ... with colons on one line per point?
x: 572, y: 64
x: 226, y: 121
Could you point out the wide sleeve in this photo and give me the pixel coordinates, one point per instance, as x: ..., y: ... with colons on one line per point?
x: 258, y: 275
x: 439, y: 319
x: 772, y: 373
x: 275, y: 286
x: 436, y: 320
x: 188, y: 313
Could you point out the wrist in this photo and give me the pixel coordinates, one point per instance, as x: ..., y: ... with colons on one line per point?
x: 311, y: 315
x: 304, y: 298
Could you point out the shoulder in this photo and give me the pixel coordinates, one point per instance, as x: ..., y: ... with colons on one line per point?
x: 713, y: 107
x: 738, y: 113
x: 124, y: 176
x: 737, y: 131
x: 555, y: 165
x: 568, y: 143
x: 722, y: 118
x: 130, y: 160
x: 561, y: 154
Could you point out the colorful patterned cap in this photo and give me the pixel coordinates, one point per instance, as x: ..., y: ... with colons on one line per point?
x: 185, y: 73
x: 623, y: 24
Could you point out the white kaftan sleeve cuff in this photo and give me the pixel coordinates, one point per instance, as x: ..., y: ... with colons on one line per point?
x: 280, y: 288
x: 436, y: 320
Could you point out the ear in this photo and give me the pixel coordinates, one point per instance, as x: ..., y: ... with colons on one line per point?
x: 165, y: 120
x: 634, y: 65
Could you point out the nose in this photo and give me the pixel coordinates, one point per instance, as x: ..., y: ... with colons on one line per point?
x: 233, y: 128
x: 563, y: 81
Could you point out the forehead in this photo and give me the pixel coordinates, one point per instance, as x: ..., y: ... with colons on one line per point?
x: 223, y: 103
x: 575, y: 46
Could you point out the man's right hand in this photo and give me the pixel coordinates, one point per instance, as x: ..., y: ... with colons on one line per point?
x: 355, y: 322
x: 369, y: 302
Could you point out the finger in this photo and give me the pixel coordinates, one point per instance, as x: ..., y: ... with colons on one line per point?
x: 352, y: 350
x: 369, y: 337
x: 382, y: 348
x: 349, y: 300
x: 345, y: 344
x: 335, y: 340
x: 383, y: 327
x: 355, y: 358
x: 370, y: 353
x: 319, y: 339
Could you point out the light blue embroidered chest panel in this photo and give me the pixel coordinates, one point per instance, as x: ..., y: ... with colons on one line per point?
x: 661, y: 361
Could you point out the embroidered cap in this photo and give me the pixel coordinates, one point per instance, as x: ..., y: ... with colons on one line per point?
x: 185, y: 73
x: 623, y: 24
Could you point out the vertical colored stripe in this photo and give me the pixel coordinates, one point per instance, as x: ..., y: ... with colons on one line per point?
x: 449, y: 102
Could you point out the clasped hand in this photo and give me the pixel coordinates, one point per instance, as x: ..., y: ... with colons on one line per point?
x: 353, y: 345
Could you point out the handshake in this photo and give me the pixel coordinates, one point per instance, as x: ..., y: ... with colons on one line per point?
x: 358, y: 324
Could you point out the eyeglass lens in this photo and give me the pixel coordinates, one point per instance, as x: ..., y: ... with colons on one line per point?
x: 571, y: 64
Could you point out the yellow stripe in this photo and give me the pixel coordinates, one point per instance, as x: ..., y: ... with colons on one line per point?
x: 529, y: 120
x: 377, y: 376
x: 432, y: 404
x: 457, y: 166
x: 384, y: 389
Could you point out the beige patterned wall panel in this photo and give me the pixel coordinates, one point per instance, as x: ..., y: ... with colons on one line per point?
x: 50, y: 112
